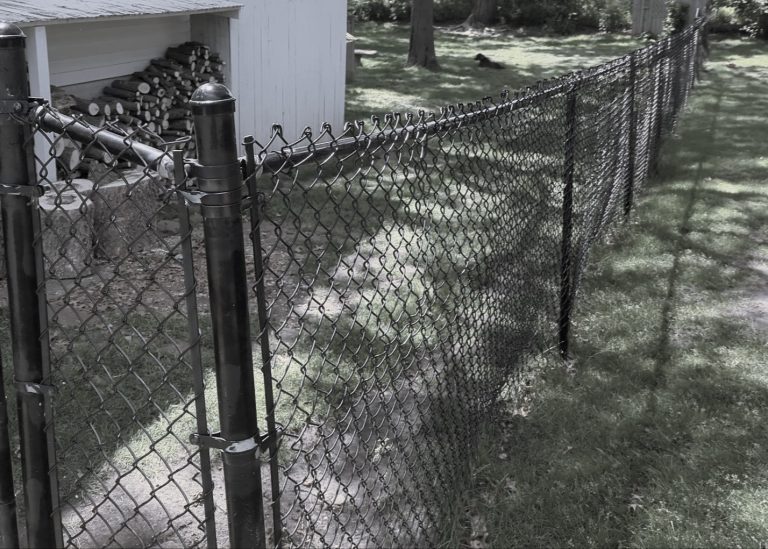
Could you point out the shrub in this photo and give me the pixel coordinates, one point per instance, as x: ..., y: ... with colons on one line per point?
x: 566, y: 16
x: 723, y: 19
x: 379, y: 10
x: 452, y: 10
x: 753, y: 17
x: 400, y: 10
x: 677, y: 16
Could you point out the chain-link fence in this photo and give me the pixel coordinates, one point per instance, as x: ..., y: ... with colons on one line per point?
x: 402, y: 277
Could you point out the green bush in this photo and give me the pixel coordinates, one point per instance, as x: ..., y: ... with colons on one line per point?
x: 753, y: 17
x: 452, y: 10
x: 379, y: 10
x: 400, y: 10
x: 567, y: 16
x: 723, y: 19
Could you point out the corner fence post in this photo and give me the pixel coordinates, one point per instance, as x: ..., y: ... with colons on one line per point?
x: 630, y: 191
x: 566, y: 284
x: 220, y: 181
x: 23, y: 259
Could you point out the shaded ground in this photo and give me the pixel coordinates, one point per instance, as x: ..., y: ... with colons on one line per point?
x: 656, y: 435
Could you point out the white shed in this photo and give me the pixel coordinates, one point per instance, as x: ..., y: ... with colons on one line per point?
x: 285, y: 58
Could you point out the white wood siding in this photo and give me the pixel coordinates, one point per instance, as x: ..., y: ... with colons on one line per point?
x: 648, y: 16
x: 84, y: 52
x: 291, y: 68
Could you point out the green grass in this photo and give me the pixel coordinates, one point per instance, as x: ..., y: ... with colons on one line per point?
x: 384, y: 85
x: 656, y: 435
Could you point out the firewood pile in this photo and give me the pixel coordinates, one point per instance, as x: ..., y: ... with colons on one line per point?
x: 150, y: 106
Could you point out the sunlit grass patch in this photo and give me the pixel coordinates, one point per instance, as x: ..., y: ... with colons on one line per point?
x: 655, y: 435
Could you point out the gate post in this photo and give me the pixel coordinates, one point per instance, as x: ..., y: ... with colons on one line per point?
x: 21, y: 226
x: 220, y: 182
x: 566, y: 283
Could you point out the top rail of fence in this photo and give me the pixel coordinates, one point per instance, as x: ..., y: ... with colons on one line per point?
x: 354, y: 136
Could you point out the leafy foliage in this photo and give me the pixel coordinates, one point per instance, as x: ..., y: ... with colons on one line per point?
x: 753, y: 15
x: 568, y: 16
x: 561, y: 16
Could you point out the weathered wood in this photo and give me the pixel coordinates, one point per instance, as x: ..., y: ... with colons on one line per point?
x: 149, y: 78
x: 104, y: 107
x: 85, y: 106
x: 67, y: 218
x: 176, y: 114
x: 180, y: 56
x: 116, y: 106
x: 132, y: 85
x: 94, y: 120
x: 121, y: 93
x: 69, y: 159
x: 184, y: 125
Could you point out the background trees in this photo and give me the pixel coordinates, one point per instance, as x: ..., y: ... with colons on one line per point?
x: 421, y: 51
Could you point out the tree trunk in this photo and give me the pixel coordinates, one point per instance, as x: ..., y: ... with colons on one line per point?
x: 483, y: 14
x: 422, y: 48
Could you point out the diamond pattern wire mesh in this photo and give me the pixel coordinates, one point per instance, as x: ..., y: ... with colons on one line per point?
x: 408, y: 274
x: 127, y: 392
x: 412, y: 272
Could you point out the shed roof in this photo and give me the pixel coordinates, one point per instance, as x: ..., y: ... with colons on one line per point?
x: 59, y: 11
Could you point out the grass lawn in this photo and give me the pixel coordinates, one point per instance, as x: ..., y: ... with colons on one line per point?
x: 383, y: 85
x: 657, y: 436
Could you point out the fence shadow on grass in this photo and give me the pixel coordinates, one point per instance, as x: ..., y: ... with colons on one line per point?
x: 656, y: 437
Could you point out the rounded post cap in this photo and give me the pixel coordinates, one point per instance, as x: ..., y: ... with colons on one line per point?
x: 212, y: 98
x: 10, y: 31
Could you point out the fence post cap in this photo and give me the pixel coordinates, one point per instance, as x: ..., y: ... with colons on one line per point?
x: 212, y: 98
x: 10, y: 31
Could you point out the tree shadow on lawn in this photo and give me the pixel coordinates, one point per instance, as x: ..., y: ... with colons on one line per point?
x: 656, y: 435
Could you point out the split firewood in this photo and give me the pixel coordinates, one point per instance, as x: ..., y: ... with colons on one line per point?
x: 138, y: 86
x: 85, y: 107
x: 115, y: 105
x: 176, y: 114
x: 184, y: 125
x: 185, y: 58
x: 121, y: 93
x: 149, y: 78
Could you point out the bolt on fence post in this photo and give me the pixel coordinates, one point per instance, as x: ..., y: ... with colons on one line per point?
x: 219, y: 179
x: 21, y: 224
x: 630, y: 191
x: 566, y: 284
x: 9, y: 532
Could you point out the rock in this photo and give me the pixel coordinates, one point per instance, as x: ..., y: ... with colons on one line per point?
x: 66, y: 219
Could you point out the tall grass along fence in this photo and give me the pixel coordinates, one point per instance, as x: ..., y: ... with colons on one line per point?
x: 298, y: 347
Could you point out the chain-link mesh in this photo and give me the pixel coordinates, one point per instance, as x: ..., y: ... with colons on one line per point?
x: 124, y: 364
x: 413, y: 272
x: 405, y: 275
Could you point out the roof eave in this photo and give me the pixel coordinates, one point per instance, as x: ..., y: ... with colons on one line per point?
x: 231, y: 12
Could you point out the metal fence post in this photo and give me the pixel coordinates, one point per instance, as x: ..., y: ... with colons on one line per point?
x: 21, y: 226
x: 630, y: 191
x: 566, y: 284
x: 219, y: 179
x: 9, y: 533
x: 661, y: 64
x: 266, y: 352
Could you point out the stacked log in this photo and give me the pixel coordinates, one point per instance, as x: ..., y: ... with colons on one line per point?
x: 150, y: 105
